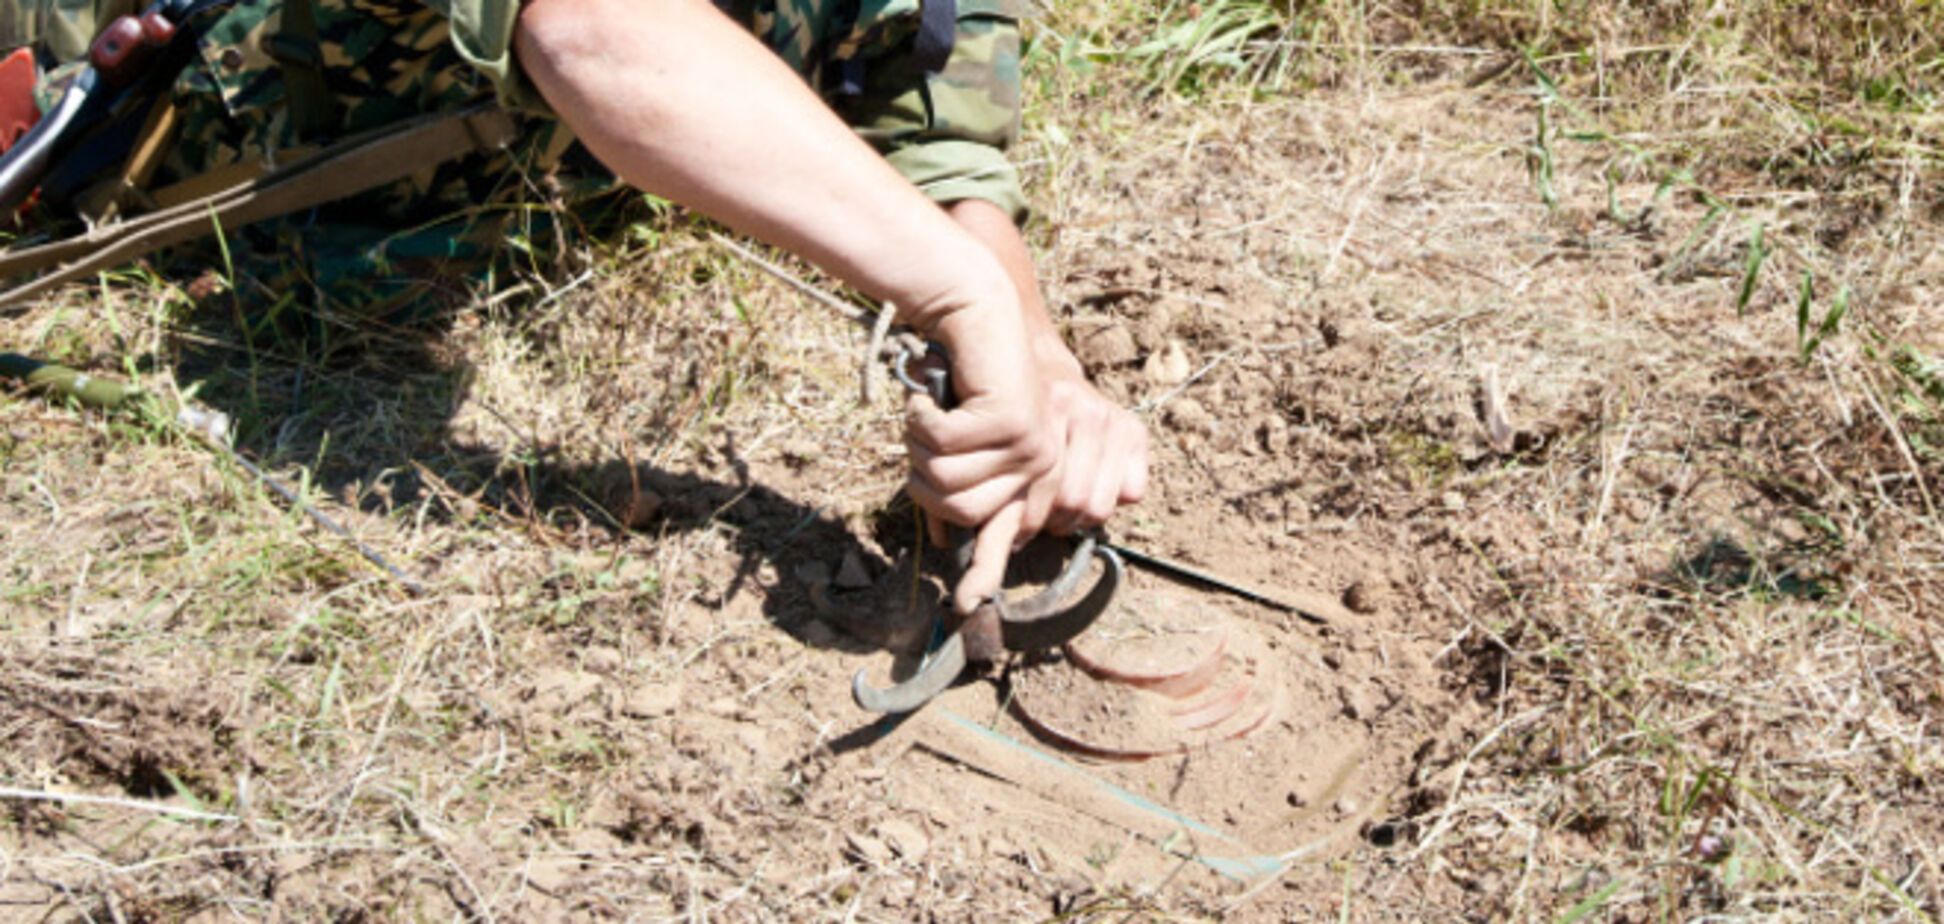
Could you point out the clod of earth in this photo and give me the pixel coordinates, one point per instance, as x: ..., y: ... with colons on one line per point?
x: 1105, y: 346
x: 1168, y: 366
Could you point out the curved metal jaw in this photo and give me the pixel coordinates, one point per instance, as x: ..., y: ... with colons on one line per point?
x: 1038, y: 622
x: 933, y: 677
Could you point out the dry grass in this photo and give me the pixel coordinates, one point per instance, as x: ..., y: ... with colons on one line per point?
x: 1685, y: 625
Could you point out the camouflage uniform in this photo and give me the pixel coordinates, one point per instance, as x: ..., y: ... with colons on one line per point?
x: 378, y: 61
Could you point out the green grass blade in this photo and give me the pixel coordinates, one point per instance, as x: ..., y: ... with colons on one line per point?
x: 1802, y: 311
x: 1757, y: 253
x: 1542, y: 160
x: 1591, y: 903
x: 1548, y: 88
x: 1830, y: 322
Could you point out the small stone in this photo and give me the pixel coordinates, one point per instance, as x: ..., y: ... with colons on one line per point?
x: 817, y: 634
x: 904, y: 838
x: 852, y: 575
x: 1188, y: 415
x: 866, y: 849
x: 1364, y: 597
x: 1346, y: 806
x: 650, y: 700
x: 1274, y: 433
x: 601, y: 659
x: 636, y: 507
x: 1453, y: 501
x: 1359, y: 703
x: 1295, y: 799
x: 1168, y: 366
x: 1105, y: 346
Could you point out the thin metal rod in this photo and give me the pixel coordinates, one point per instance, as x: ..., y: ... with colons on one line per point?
x: 211, y: 428
x: 1172, y: 568
x: 323, y: 519
x: 857, y: 315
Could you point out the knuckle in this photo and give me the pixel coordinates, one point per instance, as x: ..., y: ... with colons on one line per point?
x: 1099, y: 509
x: 962, y: 510
x: 1074, y: 495
x: 1044, y: 448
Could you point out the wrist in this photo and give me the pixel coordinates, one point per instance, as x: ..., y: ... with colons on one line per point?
x: 1054, y: 359
x: 972, y: 316
x: 952, y: 290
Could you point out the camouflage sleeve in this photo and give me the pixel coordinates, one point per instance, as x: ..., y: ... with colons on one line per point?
x: 949, y: 170
x: 947, y: 131
x: 482, y: 33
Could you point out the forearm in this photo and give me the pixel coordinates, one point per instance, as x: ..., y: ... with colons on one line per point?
x: 679, y: 101
x: 994, y: 230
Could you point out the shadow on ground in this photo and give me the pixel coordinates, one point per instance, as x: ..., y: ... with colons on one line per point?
x: 365, y: 399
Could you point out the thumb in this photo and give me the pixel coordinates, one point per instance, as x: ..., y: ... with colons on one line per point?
x: 924, y: 419
x: 987, y: 573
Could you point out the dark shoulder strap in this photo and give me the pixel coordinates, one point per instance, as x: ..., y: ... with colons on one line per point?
x: 937, y: 32
x: 300, y: 57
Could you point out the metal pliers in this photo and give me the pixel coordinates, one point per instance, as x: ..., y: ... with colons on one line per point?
x: 1044, y: 620
x: 130, y: 66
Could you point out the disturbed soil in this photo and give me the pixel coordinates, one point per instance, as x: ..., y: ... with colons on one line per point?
x: 1607, y: 573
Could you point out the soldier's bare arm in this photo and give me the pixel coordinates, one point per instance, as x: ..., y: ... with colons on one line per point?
x: 677, y: 100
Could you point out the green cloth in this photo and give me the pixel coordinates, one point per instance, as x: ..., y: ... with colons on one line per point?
x: 482, y: 34
x: 946, y: 132
x: 949, y: 170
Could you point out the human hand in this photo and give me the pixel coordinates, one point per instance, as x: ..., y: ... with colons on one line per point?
x: 984, y: 460
x: 1032, y: 446
x: 1104, y: 464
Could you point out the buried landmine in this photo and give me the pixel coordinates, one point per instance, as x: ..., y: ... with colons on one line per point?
x: 1209, y: 731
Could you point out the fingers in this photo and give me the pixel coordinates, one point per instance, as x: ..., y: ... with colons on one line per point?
x: 1064, y: 463
x: 968, y: 463
x: 1105, y: 465
x: 990, y: 551
x: 969, y: 507
x: 948, y: 474
x: 1136, y: 485
x: 1086, y: 471
x: 976, y: 425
